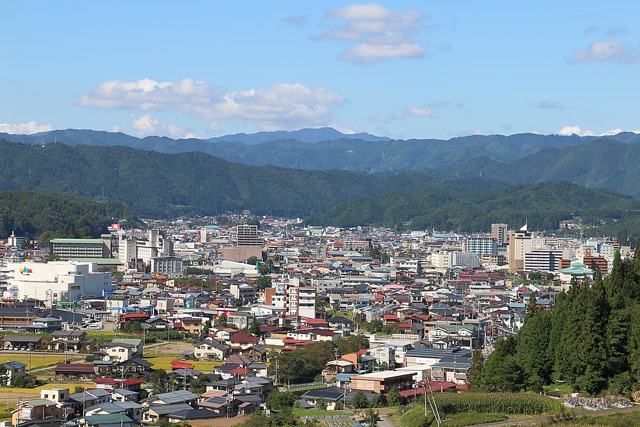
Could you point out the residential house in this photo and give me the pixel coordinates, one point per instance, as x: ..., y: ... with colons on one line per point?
x: 74, y: 371
x: 13, y: 370
x: 210, y: 349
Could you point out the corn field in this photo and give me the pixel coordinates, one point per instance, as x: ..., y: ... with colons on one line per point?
x: 503, y: 403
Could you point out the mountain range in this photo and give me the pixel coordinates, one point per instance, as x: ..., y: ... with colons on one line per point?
x: 326, y: 148
x: 103, y: 166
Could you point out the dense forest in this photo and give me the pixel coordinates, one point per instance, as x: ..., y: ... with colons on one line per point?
x: 165, y: 185
x: 543, y: 206
x: 326, y: 148
x: 603, y: 163
x: 590, y: 340
x: 47, y: 215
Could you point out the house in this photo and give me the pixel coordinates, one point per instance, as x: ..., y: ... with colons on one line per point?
x: 382, y: 381
x: 111, y: 420
x: 68, y: 340
x: 210, y: 349
x: 191, y: 325
x: 173, y: 398
x: 132, y: 410
x: 36, y: 409
x: 13, y: 370
x: 222, y: 406
x: 331, y: 395
x: 135, y: 366
x: 74, y: 371
x: 155, y: 324
x: 88, y: 398
x: 118, y: 352
x: 123, y: 395
x: 155, y: 413
x: 135, y: 342
x: 185, y: 415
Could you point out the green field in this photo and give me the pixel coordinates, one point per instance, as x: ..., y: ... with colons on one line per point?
x: 621, y: 419
x: 164, y: 362
x: 37, y: 360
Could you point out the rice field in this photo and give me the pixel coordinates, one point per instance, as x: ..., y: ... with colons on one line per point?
x: 37, y: 360
x: 164, y: 362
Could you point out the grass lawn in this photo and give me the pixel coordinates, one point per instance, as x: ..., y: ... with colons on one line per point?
x: 561, y: 388
x: 164, y: 362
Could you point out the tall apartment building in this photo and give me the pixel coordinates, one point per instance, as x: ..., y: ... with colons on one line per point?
x: 73, y: 249
x: 546, y: 261
x: 481, y: 245
x: 519, y: 245
x: 247, y: 235
x: 500, y: 233
x: 295, y: 299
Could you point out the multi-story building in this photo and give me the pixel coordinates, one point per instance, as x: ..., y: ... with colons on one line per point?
x: 543, y: 260
x: 500, y: 233
x: 481, y: 245
x: 56, y: 281
x: 519, y: 245
x: 74, y: 249
x: 247, y: 235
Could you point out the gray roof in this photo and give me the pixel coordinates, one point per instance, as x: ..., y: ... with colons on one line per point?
x: 329, y: 393
x: 175, y: 396
x: 169, y: 409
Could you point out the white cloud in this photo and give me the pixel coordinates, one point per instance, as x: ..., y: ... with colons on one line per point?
x: 279, y: 106
x: 575, y: 130
x: 546, y: 104
x: 214, y: 126
x: 609, y: 50
x: 346, y: 128
x: 379, y: 33
x: 407, y: 112
x: 24, y: 128
x: 146, y: 125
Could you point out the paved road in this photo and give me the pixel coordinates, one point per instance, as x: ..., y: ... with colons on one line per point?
x: 385, y: 422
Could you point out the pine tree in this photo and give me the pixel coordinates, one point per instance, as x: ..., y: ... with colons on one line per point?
x: 475, y: 371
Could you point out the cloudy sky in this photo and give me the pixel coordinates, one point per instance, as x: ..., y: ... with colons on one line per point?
x: 417, y: 69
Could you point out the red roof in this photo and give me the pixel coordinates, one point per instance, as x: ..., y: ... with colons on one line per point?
x: 390, y: 317
x: 405, y: 325
x: 315, y: 322
x: 134, y: 316
x: 176, y: 364
x: 74, y: 367
x: 436, y: 386
x: 239, y: 371
x: 244, y: 338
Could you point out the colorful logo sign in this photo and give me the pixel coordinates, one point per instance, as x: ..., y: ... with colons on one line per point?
x: 25, y: 270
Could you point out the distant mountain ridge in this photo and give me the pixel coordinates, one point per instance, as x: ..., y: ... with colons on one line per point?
x: 326, y: 148
x: 602, y: 163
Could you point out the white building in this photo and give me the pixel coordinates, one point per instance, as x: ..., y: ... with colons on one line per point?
x: 57, y: 281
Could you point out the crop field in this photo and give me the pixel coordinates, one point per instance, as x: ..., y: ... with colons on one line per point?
x: 164, y: 362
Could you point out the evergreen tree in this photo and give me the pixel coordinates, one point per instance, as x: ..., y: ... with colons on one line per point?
x: 393, y: 398
x: 475, y: 371
x: 254, y: 329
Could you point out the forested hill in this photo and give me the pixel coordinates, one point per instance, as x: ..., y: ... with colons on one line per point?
x: 47, y: 215
x: 541, y: 205
x: 156, y: 185
x: 590, y: 341
x: 603, y: 163
x: 323, y: 149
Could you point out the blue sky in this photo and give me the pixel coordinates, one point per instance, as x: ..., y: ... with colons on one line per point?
x: 417, y: 69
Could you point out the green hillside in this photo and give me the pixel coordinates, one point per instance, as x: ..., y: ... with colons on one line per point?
x: 604, y: 163
x: 57, y: 215
x: 324, y: 149
x: 543, y: 206
x: 155, y: 184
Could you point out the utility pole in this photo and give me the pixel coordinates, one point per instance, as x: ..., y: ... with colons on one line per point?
x: 277, y: 369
